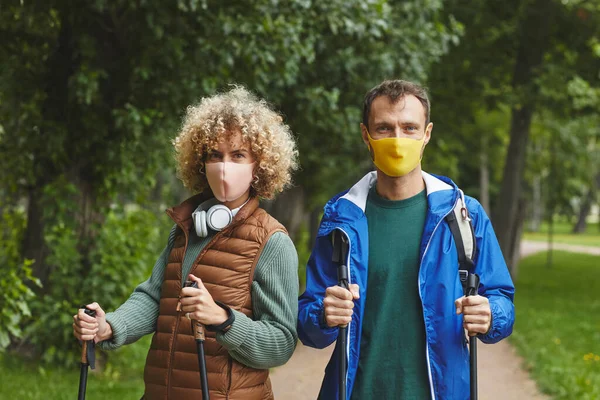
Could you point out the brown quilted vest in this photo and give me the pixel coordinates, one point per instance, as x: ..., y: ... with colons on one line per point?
x: 226, y: 266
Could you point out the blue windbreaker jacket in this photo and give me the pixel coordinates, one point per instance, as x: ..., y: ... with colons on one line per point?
x: 439, y: 285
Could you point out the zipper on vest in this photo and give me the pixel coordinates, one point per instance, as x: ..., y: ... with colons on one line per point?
x: 194, y: 265
x: 229, y: 375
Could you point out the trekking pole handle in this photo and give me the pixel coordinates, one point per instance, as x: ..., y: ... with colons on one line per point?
x: 84, y: 347
x: 198, y: 331
x: 84, y: 358
x: 197, y: 327
x: 340, y: 257
x: 472, y: 284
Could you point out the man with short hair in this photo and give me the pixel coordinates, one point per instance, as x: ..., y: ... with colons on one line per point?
x: 405, y: 308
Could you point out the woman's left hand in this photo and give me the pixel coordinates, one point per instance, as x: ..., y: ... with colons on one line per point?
x: 199, y: 305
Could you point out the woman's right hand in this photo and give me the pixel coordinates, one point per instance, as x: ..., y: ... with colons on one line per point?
x: 88, y: 328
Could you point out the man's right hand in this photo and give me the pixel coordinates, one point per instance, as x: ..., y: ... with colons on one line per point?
x: 87, y: 328
x: 338, y: 304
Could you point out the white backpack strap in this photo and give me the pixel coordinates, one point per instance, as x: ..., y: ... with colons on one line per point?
x: 461, y: 227
x: 467, y: 233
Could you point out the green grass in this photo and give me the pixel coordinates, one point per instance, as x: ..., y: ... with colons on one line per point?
x: 121, y: 379
x: 557, y: 327
x: 562, y: 234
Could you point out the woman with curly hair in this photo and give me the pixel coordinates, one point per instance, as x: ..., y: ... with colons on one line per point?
x: 232, y: 150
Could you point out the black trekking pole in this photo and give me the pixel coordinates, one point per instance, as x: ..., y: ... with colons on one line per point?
x: 88, y: 358
x: 198, y: 329
x: 340, y: 255
x: 471, y: 290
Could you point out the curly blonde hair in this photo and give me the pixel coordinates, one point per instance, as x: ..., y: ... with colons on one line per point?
x: 271, y: 141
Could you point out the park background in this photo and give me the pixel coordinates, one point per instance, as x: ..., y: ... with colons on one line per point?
x: 93, y: 92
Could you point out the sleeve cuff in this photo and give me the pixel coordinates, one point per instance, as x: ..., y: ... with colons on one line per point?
x: 119, y: 331
x: 493, y: 335
x: 237, y: 334
x: 321, y: 318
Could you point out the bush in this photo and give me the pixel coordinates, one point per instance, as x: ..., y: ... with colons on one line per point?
x: 15, y: 293
x: 121, y: 257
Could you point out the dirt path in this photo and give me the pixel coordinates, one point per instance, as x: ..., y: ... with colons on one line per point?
x: 501, y: 376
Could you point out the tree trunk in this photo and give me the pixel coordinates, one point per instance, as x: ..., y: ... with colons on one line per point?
x: 533, y: 41
x: 289, y: 209
x: 550, y: 237
x: 33, y: 245
x: 584, y: 211
x: 516, y: 238
x: 537, y: 209
x: 586, y: 206
x: 88, y: 216
x: 56, y: 112
x: 506, y: 217
x: 484, y: 176
x: 553, y: 188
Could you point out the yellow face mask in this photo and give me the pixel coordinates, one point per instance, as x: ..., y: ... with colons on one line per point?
x: 396, y: 156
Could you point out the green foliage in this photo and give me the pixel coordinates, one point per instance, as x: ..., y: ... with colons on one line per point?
x: 303, y: 248
x: 473, y: 85
x: 91, y: 95
x: 123, y: 256
x: 471, y: 95
x: 15, y: 292
x: 125, y: 253
x: 555, y: 330
x: 565, y: 153
x: 356, y: 46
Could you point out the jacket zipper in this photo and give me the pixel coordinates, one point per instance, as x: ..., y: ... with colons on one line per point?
x: 421, y: 296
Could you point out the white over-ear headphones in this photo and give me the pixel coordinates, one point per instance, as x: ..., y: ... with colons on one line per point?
x: 217, y: 218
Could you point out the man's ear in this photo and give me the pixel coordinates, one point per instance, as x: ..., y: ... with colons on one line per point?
x: 365, y: 138
x: 428, y: 130
x: 365, y: 134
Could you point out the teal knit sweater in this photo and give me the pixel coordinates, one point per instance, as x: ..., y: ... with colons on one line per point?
x: 266, y: 341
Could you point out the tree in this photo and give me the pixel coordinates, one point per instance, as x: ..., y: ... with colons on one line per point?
x: 528, y: 77
x: 92, y: 93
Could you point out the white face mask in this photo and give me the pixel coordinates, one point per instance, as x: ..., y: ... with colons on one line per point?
x: 228, y: 180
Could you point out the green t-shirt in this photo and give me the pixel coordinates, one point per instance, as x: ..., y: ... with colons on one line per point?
x: 392, y: 362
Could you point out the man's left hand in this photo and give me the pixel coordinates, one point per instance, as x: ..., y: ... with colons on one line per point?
x: 477, y: 315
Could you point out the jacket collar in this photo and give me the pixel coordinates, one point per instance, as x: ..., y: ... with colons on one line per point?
x: 444, y: 188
